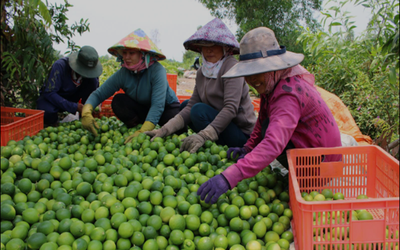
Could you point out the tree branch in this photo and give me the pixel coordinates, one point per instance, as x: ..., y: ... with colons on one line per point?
x: 393, y: 144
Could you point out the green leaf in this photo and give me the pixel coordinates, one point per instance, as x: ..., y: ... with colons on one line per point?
x: 31, y: 63
x: 335, y: 24
x: 352, y: 27
x: 34, y: 3
x: 44, y: 12
x: 392, y: 76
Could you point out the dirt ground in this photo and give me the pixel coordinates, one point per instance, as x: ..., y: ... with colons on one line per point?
x: 185, y: 86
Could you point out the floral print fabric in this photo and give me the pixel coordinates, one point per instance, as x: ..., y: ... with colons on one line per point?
x: 213, y: 32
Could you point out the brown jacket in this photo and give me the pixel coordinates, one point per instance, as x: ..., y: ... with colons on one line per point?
x: 229, y: 96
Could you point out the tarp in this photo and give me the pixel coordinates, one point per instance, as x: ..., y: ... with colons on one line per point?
x: 345, y: 121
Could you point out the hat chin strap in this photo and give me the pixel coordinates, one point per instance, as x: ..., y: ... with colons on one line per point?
x: 260, y: 54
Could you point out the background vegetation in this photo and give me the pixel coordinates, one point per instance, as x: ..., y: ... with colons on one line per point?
x: 27, y: 52
x: 363, y: 70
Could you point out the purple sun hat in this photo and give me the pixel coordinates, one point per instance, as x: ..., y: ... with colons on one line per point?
x: 214, y: 32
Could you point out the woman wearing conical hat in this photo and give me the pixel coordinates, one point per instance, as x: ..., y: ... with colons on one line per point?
x: 148, y: 99
x: 220, y: 109
x: 292, y: 112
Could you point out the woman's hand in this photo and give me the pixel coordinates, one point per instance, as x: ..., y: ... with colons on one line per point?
x: 87, y: 120
x: 147, y: 126
x: 236, y: 153
x: 213, y: 188
x: 79, y: 109
x: 194, y: 142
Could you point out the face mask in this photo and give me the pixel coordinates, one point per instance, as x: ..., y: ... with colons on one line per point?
x: 211, y: 70
x: 76, y: 79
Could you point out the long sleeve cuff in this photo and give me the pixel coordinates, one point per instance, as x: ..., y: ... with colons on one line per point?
x: 233, y: 175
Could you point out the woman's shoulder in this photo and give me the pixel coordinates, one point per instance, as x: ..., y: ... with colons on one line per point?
x: 295, y: 86
x: 156, y: 66
x: 229, y: 62
x: 62, y: 63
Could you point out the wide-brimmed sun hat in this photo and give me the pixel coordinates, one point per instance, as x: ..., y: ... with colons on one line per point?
x: 137, y: 40
x: 214, y: 32
x: 260, y: 53
x: 85, y: 62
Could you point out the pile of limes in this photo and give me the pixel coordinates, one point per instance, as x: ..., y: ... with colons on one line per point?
x: 66, y: 189
x: 328, y: 195
x: 325, y: 195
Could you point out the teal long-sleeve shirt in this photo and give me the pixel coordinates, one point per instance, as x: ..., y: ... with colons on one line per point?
x: 149, y: 87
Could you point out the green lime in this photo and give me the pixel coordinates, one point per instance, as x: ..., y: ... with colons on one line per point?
x: 30, y: 215
x: 177, y: 222
x: 36, y: 240
x: 271, y: 236
x: 150, y: 244
x: 125, y: 230
x: 7, y: 212
x: 25, y: 185
x: 77, y: 228
x: 15, y: 244
x: 45, y: 227
x: 338, y: 196
x: 253, y: 245
x: 192, y: 222
x: 65, y: 238
x: 205, y: 243
x: 221, y: 241
x: 79, y: 244
x: 137, y: 238
x: 177, y: 237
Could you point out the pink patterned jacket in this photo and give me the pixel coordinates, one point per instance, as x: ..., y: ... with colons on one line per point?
x: 297, y: 113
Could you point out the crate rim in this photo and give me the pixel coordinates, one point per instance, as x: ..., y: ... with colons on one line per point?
x: 38, y: 113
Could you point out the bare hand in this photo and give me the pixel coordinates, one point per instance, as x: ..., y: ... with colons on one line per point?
x: 79, y: 109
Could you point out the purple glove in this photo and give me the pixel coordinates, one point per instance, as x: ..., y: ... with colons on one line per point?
x: 239, y: 152
x: 213, y: 188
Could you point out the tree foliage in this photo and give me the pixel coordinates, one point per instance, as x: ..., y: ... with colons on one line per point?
x: 110, y: 66
x: 190, y: 56
x: 283, y: 17
x: 363, y: 71
x: 28, y: 30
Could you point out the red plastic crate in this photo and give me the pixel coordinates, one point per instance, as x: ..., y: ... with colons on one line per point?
x: 172, y: 79
x: 118, y: 92
x: 15, y: 127
x: 182, y: 98
x: 256, y: 104
x: 367, y: 170
x: 106, y: 109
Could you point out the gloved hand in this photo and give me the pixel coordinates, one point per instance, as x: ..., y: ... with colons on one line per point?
x: 237, y: 152
x: 147, y: 126
x: 87, y: 120
x: 170, y: 127
x: 213, y: 188
x: 194, y: 142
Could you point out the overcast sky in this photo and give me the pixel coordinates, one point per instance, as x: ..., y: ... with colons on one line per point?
x: 173, y: 20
